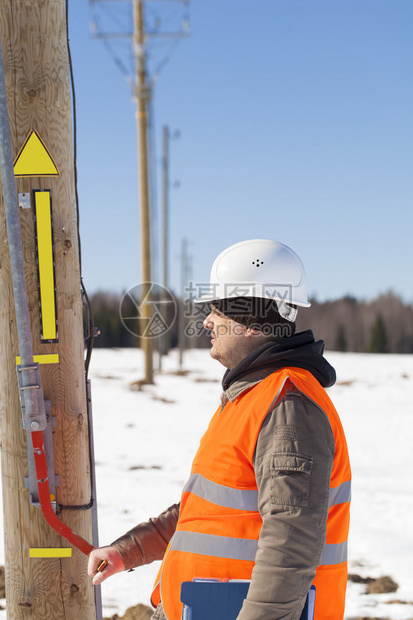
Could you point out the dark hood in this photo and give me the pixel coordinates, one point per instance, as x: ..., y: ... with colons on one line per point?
x: 299, y: 351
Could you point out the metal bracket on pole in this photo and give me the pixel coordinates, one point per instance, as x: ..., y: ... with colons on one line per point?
x: 32, y: 421
x: 54, y: 479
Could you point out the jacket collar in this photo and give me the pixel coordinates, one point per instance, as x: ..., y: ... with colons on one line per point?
x: 238, y: 387
x: 301, y: 350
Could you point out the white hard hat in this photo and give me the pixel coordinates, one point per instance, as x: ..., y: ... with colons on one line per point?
x: 258, y: 268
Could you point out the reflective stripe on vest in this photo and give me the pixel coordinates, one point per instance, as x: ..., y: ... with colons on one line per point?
x: 334, y: 554
x: 340, y: 494
x: 238, y: 499
x: 216, y: 546
x: 242, y: 499
x: 241, y: 548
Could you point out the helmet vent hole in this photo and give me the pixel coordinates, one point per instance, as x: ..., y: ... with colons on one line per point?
x: 258, y: 262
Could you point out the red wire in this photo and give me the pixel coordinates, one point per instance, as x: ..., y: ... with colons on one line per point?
x: 62, y: 529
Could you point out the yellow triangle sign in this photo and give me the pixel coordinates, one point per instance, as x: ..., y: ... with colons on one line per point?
x: 34, y: 160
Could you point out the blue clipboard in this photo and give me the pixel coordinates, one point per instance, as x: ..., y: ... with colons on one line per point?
x: 222, y: 600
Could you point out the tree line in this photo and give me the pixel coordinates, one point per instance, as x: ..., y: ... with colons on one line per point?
x: 381, y: 325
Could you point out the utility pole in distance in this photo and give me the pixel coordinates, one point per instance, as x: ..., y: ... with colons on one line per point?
x: 142, y: 91
x: 182, y: 322
x: 165, y: 201
x: 45, y: 576
x: 165, y: 340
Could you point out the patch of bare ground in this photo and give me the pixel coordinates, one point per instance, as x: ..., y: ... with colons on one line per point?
x: 137, y: 386
x: 177, y: 373
x: 369, y: 618
x: 358, y: 579
x: 381, y: 585
x: 163, y: 399
x: 138, y: 612
x: 135, y: 467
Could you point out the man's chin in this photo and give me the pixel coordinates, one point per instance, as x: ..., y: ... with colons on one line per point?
x: 216, y: 355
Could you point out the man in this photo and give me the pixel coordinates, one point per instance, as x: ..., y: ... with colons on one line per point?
x: 269, y: 492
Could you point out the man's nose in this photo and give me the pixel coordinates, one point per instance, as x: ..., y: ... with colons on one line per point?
x: 208, y: 322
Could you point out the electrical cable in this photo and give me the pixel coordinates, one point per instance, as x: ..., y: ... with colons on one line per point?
x: 117, y: 60
x: 110, y: 48
x: 162, y: 64
x: 91, y: 331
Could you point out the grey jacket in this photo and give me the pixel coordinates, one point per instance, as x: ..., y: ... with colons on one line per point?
x: 293, y: 507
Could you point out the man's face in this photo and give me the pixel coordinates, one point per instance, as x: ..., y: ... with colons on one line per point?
x: 229, y: 340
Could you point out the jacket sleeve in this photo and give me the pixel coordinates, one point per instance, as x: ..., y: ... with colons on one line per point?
x: 147, y: 541
x: 293, y: 462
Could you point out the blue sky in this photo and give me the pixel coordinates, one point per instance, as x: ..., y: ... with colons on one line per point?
x: 295, y: 122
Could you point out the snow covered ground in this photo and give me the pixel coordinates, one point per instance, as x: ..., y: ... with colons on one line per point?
x: 145, y: 441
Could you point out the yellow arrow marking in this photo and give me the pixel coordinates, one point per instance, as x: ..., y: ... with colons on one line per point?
x: 51, y: 358
x: 43, y: 211
x: 63, y: 552
x: 34, y: 160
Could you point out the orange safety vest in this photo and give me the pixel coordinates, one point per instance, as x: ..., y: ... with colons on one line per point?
x: 219, y: 523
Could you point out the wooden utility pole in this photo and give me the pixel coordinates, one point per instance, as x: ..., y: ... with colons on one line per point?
x: 142, y: 91
x: 142, y: 96
x: 36, y: 67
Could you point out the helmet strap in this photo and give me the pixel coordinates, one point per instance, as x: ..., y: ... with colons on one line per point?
x: 289, y: 313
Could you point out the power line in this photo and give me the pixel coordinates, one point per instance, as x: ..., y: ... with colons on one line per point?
x: 160, y: 26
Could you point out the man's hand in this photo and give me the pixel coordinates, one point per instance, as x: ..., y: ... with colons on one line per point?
x: 98, y: 570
